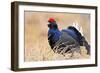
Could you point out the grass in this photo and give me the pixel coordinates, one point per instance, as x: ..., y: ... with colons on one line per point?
x: 42, y: 52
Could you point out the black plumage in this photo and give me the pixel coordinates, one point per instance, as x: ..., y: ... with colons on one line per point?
x: 66, y: 39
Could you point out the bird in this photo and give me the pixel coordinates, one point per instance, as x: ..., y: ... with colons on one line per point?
x: 65, y: 40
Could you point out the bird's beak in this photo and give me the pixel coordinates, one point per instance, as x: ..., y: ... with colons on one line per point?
x: 48, y: 25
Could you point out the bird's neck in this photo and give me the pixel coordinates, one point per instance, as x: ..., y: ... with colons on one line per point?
x: 54, y: 29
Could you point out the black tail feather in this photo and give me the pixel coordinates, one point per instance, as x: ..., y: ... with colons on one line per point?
x: 81, y: 39
x: 85, y: 43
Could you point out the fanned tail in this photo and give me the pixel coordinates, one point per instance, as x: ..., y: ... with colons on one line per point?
x: 79, y: 32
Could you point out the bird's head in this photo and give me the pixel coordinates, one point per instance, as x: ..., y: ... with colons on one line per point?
x: 52, y: 24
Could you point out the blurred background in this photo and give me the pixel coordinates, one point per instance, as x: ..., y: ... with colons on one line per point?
x: 36, y: 41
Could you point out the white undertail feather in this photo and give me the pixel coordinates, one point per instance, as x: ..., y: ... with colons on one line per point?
x: 79, y: 28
